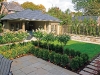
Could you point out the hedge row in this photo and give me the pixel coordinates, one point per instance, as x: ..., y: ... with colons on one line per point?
x: 58, y: 49
x: 60, y: 59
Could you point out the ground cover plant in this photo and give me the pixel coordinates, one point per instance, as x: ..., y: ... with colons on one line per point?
x: 11, y: 37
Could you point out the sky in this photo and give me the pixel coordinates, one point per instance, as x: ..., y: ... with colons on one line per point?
x: 62, y: 4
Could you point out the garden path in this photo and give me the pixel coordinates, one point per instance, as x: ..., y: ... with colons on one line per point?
x: 31, y: 65
x: 92, y: 68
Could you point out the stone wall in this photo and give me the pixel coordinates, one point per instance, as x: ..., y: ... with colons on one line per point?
x: 89, y: 39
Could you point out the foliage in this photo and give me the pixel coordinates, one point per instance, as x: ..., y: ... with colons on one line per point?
x: 48, y: 37
x: 85, y: 57
x: 64, y: 60
x: 11, y: 37
x: 40, y: 53
x: 15, y: 51
x: 36, y: 52
x: 74, y: 64
x: 45, y: 54
x: 65, y: 17
x: 38, y: 35
x: 63, y: 39
x: 58, y: 49
x: 57, y: 58
x: 1, y: 30
x: 32, y: 6
x: 89, y: 7
x: 51, y: 56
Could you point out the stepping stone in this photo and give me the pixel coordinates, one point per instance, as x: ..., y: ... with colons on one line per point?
x: 84, y: 73
x: 92, y: 67
x: 93, y: 64
x: 90, y: 70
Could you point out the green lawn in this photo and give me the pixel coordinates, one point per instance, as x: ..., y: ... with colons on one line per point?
x: 91, y: 49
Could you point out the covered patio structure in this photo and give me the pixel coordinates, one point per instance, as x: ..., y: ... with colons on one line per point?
x: 30, y: 20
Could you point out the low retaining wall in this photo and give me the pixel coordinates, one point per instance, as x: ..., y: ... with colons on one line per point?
x: 84, y: 38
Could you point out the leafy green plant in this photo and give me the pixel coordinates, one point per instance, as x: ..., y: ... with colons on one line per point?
x: 74, y: 64
x: 67, y: 51
x: 40, y: 53
x: 64, y: 60
x: 85, y: 57
x: 36, y: 51
x: 51, y: 56
x: 45, y: 54
x: 48, y: 37
x: 57, y: 58
x: 38, y: 34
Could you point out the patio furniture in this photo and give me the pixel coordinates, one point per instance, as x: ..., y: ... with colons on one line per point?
x: 5, y: 65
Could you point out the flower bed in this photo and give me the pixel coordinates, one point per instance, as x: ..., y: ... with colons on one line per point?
x: 11, y: 37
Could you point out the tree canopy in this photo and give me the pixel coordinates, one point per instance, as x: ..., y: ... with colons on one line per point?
x: 89, y: 7
x: 65, y: 17
x: 32, y: 6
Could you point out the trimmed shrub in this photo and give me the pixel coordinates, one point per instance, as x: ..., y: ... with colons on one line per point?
x: 32, y: 49
x: 58, y: 49
x: 40, y: 53
x: 85, y: 58
x: 66, y: 51
x: 72, y: 53
x: 51, y: 46
x: 80, y: 61
x: 51, y: 56
x: 36, y: 52
x: 35, y: 43
x: 74, y: 64
x: 78, y: 53
x: 57, y: 58
x: 45, y: 54
x: 64, y: 60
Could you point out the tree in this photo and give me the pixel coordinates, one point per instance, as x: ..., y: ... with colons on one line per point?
x: 56, y: 12
x: 48, y: 37
x: 32, y: 6
x: 89, y: 7
x: 65, y: 17
x: 38, y: 34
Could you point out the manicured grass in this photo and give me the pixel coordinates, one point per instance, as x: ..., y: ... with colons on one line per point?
x: 91, y: 49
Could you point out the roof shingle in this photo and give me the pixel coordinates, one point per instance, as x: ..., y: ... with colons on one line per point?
x: 30, y: 15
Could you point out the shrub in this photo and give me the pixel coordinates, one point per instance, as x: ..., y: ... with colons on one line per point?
x: 78, y: 53
x: 85, y: 57
x: 51, y: 56
x: 64, y: 60
x: 74, y: 64
x: 32, y: 49
x: 45, y: 54
x: 35, y: 43
x: 51, y: 46
x: 66, y: 51
x: 58, y: 49
x: 57, y: 58
x: 80, y: 61
x: 40, y: 53
x: 72, y: 53
x: 36, y: 51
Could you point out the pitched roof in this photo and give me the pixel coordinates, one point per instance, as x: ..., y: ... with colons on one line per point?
x: 81, y: 18
x: 30, y: 15
x: 12, y: 6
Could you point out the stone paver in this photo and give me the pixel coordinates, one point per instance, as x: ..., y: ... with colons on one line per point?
x: 31, y: 65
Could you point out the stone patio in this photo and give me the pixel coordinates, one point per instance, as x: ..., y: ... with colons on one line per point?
x: 31, y: 65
